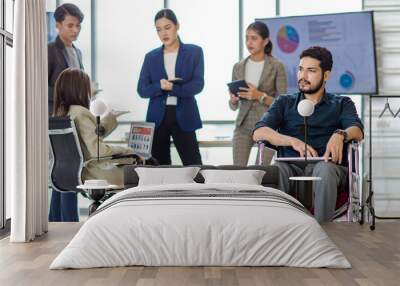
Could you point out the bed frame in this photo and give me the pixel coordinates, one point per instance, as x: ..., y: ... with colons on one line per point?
x: 270, y: 178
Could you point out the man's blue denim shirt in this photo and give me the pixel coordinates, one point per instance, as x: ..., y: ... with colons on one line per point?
x: 331, y: 113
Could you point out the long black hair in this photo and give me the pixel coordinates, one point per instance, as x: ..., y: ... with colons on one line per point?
x: 262, y: 30
x: 166, y: 13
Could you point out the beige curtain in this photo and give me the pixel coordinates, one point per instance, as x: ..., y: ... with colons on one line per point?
x: 27, y: 123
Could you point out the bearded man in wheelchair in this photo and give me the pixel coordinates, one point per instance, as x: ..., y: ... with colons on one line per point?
x: 333, y: 123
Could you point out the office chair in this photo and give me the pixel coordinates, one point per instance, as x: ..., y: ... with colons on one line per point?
x: 67, y: 161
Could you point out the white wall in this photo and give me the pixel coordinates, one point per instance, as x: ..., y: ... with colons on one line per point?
x: 125, y: 33
x: 213, y: 25
x: 308, y: 7
x: 256, y: 9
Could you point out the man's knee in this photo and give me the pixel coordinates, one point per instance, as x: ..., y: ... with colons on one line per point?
x: 325, y: 169
x: 284, y: 169
x: 282, y: 165
x: 327, y: 186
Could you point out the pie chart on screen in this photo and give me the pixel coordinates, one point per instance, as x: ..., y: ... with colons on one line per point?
x: 288, y: 39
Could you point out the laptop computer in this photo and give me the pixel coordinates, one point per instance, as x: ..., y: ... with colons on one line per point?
x: 141, y: 138
x: 300, y: 159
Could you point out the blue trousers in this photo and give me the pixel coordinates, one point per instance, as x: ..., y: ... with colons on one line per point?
x: 63, y: 207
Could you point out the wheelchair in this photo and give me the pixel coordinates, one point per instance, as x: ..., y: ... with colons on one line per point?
x: 350, y: 197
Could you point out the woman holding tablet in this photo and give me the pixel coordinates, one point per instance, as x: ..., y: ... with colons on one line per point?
x: 266, y: 79
x: 171, y: 76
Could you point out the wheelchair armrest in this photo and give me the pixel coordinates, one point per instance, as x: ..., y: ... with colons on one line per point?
x: 262, y: 144
x: 353, y: 145
x: 265, y: 143
x: 353, y: 156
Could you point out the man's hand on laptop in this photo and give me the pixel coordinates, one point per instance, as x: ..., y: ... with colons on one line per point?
x: 334, y: 148
x: 299, y: 145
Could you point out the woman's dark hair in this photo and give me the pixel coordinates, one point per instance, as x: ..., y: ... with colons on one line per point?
x: 166, y: 13
x: 68, y: 9
x: 72, y: 87
x: 262, y: 30
x: 321, y: 54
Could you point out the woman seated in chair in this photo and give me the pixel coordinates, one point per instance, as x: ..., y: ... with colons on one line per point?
x: 72, y: 98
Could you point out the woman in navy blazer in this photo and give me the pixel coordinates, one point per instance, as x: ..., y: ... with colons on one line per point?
x: 171, y: 76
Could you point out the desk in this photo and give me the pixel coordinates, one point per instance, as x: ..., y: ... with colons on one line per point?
x: 202, y: 143
x: 213, y: 134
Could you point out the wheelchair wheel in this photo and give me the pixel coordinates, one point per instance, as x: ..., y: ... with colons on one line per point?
x: 361, y: 216
x: 372, y: 226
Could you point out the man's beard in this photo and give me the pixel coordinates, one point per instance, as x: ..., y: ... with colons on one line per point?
x: 311, y: 90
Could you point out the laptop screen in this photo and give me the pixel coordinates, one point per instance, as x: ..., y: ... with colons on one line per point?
x: 141, y: 138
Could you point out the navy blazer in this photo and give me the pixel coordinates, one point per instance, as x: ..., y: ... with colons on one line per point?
x: 190, y: 67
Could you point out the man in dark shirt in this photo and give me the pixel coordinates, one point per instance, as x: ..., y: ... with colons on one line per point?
x: 62, y: 54
x: 333, y: 123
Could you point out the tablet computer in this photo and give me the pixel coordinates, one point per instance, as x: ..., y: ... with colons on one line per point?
x: 235, y: 85
x: 176, y: 80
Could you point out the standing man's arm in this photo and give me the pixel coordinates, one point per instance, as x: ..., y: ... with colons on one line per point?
x: 50, y: 75
x: 79, y: 54
x: 50, y: 63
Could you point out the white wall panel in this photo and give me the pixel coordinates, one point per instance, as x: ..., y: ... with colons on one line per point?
x: 386, y: 130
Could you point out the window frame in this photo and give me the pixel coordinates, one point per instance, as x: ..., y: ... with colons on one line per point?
x: 6, y: 39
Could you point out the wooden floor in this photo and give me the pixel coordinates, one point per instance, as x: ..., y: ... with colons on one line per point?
x: 374, y: 255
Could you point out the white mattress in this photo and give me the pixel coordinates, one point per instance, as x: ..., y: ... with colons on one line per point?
x: 183, y: 231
